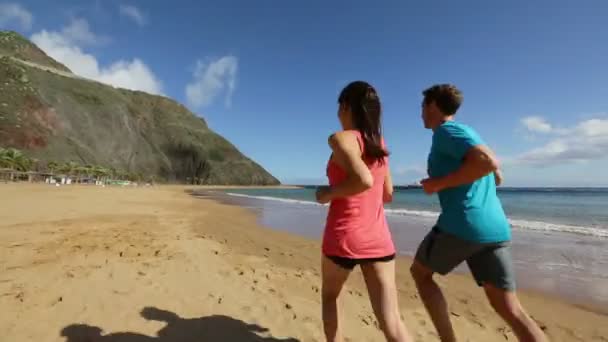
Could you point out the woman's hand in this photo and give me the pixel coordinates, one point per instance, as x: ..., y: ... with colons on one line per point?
x: 323, y: 194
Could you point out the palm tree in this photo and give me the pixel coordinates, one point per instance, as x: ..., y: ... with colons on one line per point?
x: 33, y: 168
x: 69, y: 168
x: 13, y: 159
x: 80, y: 171
x: 113, y: 172
x: 52, y: 166
x: 5, y: 161
x: 17, y: 160
x: 100, y: 173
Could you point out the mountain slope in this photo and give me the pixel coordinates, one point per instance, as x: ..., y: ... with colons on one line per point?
x: 14, y: 45
x: 57, y: 118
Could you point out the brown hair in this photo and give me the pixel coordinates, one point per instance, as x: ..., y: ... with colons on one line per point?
x: 364, y: 103
x: 447, y: 97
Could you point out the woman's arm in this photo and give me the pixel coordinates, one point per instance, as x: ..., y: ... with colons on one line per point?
x: 347, y: 154
x: 387, y: 195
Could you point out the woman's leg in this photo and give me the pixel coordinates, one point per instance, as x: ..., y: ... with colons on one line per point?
x: 334, y: 277
x: 380, y: 280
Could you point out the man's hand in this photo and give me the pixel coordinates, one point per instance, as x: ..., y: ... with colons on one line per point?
x: 498, y: 177
x: 323, y: 194
x: 432, y: 185
x: 478, y: 162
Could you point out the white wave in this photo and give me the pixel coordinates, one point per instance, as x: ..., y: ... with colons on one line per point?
x: 277, y: 199
x: 518, y: 224
x: 408, y: 212
x: 515, y: 223
x: 562, y: 228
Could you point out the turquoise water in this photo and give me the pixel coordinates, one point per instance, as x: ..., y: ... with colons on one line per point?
x: 579, y: 211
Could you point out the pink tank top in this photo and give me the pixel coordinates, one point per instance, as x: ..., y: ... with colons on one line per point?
x: 356, y: 225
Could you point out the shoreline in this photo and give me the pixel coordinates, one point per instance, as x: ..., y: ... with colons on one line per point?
x: 407, y: 260
x: 101, y: 256
x: 220, y: 187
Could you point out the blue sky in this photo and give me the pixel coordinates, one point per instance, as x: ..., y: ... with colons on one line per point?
x: 266, y: 74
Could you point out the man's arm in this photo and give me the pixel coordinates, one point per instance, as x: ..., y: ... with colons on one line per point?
x: 478, y: 162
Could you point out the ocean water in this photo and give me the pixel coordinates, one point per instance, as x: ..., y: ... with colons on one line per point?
x: 575, y: 210
x: 560, y: 236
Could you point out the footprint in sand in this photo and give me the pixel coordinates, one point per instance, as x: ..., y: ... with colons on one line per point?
x: 476, y: 321
x: 505, y: 331
x: 364, y: 320
x: 541, y: 325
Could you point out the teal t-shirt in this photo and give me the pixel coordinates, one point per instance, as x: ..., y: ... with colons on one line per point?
x: 472, y: 212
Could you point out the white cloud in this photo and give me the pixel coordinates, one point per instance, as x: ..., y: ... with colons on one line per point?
x: 536, y: 124
x: 79, y: 32
x: 134, y: 14
x: 210, y: 80
x: 583, y: 142
x: 13, y: 12
x: 65, y: 47
x: 133, y: 74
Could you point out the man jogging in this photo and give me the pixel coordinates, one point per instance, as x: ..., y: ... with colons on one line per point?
x: 472, y: 226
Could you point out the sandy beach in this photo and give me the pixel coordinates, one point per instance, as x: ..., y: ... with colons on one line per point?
x: 152, y: 264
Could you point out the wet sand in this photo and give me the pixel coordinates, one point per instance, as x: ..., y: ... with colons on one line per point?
x: 568, y: 266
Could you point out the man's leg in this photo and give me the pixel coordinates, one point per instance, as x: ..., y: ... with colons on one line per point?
x: 493, y: 269
x: 507, y: 305
x: 434, y: 301
x: 438, y: 253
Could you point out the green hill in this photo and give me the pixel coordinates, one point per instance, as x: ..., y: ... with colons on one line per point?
x: 53, y: 117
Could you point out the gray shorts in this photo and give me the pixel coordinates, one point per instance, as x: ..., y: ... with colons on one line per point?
x: 489, y: 262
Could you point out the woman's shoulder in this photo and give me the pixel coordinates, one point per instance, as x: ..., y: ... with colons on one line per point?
x: 343, y: 138
x: 346, y: 133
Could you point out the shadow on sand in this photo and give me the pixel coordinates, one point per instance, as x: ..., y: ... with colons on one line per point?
x: 177, y: 329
